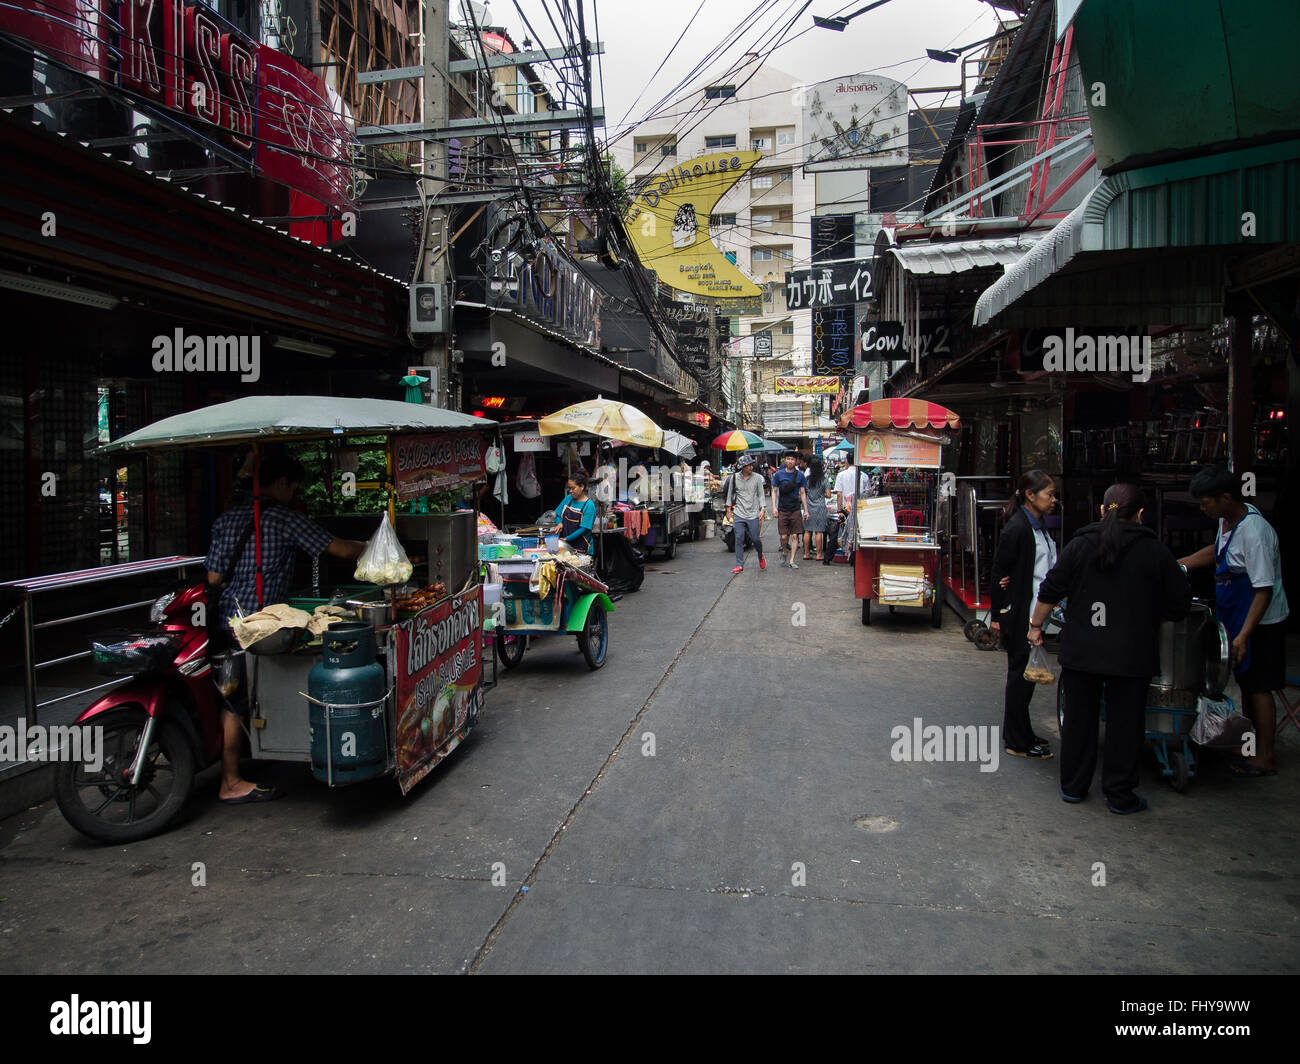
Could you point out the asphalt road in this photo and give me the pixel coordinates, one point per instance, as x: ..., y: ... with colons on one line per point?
x: 769, y: 831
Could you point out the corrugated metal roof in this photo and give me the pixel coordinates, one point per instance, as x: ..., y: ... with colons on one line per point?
x: 957, y: 256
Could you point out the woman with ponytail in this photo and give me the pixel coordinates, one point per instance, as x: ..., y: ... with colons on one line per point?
x: 1026, y: 551
x: 1121, y: 582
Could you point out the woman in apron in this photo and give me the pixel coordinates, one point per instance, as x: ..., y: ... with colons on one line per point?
x: 577, y: 514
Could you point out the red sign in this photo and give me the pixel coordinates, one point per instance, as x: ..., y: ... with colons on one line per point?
x: 439, y: 676
x: 437, y: 461
x: 187, y: 58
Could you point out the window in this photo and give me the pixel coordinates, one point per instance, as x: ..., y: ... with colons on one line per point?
x: 725, y: 141
x: 669, y: 149
x: 783, y: 176
x: 716, y: 220
x: 761, y: 221
x: 787, y: 329
x: 762, y: 255
x: 785, y: 253
x: 785, y: 138
x: 720, y: 92
x: 785, y: 214
x: 642, y: 147
x: 761, y: 143
x: 762, y: 182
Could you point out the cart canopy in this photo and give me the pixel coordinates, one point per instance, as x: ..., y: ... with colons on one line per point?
x: 899, y: 414
x: 267, y: 417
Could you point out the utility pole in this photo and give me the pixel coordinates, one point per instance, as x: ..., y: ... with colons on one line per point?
x: 435, y: 263
x: 712, y: 395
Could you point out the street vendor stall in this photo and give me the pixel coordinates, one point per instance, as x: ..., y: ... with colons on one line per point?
x: 375, y: 680
x: 899, y: 444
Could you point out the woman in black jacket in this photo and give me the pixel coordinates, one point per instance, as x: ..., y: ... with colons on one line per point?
x: 1026, y: 551
x: 1121, y: 582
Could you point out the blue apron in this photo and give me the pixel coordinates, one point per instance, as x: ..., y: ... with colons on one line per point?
x: 571, y: 521
x: 1232, y: 597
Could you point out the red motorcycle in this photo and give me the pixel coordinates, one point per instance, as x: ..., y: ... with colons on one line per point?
x: 156, y: 732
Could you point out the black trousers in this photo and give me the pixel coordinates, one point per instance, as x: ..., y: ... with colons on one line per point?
x: 1017, y: 732
x: 1126, y: 698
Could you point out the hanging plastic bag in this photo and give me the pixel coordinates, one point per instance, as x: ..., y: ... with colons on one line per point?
x: 1219, y: 724
x: 383, y: 561
x: 1038, y: 670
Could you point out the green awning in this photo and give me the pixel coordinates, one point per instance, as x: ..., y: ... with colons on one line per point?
x: 1151, y: 246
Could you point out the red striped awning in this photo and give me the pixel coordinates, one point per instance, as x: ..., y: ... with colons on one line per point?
x: 900, y: 414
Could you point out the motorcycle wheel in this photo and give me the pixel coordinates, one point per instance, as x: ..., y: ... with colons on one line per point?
x: 104, y: 805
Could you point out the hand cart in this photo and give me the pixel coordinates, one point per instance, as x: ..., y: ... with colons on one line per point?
x: 575, y: 603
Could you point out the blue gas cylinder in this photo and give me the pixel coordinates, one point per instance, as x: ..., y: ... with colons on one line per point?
x: 354, y: 745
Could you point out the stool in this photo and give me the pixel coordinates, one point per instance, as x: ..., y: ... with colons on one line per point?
x: 1289, y: 708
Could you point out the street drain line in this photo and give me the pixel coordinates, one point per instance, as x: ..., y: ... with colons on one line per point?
x: 481, y: 955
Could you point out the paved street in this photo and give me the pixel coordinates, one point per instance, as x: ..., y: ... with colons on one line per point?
x: 772, y: 754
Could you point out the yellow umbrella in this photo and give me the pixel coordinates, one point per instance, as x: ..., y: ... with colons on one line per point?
x: 604, y: 417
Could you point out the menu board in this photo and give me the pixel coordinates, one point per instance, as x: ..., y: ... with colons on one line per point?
x: 438, y: 666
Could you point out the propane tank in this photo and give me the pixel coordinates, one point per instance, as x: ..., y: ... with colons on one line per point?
x: 349, y: 739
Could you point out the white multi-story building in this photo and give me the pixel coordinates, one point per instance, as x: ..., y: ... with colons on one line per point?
x: 764, y: 220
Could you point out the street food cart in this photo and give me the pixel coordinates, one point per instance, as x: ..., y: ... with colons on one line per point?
x: 428, y: 638
x: 899, y: 444
x: 544, y: 593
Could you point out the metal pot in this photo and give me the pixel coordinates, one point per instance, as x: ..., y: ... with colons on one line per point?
x: 376, y: 613
x: 1193, y: 658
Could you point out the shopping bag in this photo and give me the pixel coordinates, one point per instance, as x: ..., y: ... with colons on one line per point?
x: 1039, y: 670
x: 1219, y: 724
x: 383, y: 561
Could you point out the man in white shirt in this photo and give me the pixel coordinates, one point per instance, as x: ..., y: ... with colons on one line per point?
x: 849, y: 484
x: 1250, y: 602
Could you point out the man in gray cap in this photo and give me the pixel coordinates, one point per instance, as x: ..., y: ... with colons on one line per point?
x: 745, y: 504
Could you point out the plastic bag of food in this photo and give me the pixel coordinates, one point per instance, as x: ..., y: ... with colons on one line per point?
x: 383, y: 561
x: 1219, y: 724
x: 1039, y: 670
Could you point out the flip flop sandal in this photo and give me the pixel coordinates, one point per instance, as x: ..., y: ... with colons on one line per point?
x: 1247, y: 771
x: 257, y: 794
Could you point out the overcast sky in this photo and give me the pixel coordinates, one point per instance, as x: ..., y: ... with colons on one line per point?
x: 638, y: 34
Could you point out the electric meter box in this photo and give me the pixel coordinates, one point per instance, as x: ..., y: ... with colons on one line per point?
x: 428, y: 312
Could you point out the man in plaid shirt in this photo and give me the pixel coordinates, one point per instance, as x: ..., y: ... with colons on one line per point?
x: 283, y: 531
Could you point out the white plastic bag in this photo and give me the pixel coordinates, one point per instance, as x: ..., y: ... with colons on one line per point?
x: 383, y: 561
x: 1219, y: 724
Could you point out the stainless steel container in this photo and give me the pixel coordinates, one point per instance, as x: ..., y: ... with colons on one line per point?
x: 377, y: 613
x: 1192, y: 659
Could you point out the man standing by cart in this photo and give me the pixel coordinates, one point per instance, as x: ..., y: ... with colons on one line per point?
x: 1249, y: 601
x: 232, y: 566
x: 745, y: 505
x: 790, y: 504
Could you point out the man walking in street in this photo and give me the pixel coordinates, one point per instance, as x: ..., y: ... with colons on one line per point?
x: 790, y: 504
x: 745, y: 505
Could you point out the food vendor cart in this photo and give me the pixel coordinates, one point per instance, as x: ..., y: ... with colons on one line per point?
x: 899, y: 444
x: 544, y: 593
x: 428, y: 638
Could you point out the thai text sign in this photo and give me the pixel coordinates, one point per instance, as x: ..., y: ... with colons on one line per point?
x: 834, y: 284
x: 809, y: 385
x: 439, y: 460
x: 438, y: 661
x: 891, y: 449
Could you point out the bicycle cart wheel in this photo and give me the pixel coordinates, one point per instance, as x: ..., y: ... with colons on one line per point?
x: 593, y: 640
x: 1179, y: 773
x: 866, y: 611
x: 670, y: 549
x: 510, y: 648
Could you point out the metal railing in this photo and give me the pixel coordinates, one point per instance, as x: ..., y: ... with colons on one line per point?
x: 29, y: 588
